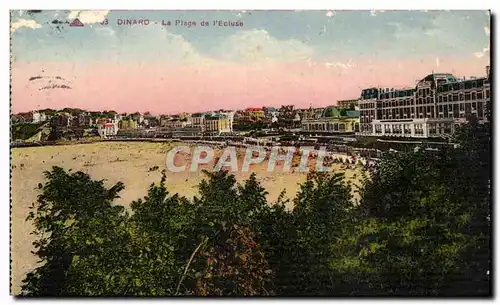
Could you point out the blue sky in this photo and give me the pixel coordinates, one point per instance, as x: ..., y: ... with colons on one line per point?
x: 326, y: 34
x: 274, y: 58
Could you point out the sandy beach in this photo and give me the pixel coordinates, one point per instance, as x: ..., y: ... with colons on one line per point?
x: 129, y: 162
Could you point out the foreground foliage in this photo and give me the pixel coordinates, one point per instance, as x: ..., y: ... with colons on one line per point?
x: 422, y: 228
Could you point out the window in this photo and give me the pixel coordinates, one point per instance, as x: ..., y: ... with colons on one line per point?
x: 445, y: 99
x: 487, y: 93
x: 474, y: 96
x: 461, y: 96
x: 480, y: 95
x: 432, y: 128
x: 440, y: 99
x: 462, y: 107
x: 418, y: 129
x: 455, y: 97
x: 467, y: 96
x: 455, y: 111
x: 480, y: 109
x: 467, y: 107
x: 447, y: 128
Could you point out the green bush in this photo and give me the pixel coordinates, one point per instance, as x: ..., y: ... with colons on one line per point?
x: 422, y: 228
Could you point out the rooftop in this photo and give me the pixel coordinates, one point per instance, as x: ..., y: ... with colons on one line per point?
x: 437, y: 78
x: 215, y: 116
x: 197, y: 115
x: 337, y: 112
x: 352, y: 113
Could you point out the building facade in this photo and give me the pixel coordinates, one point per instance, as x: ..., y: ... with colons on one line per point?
x: 198, y: 121
x: 230, y: 117
x: 254, y: 114
x: 39, y: 117
x: 435, y: 107
x: 107, y: 129
x: 128, y: 124
x: 311, y: 113
x: 348, y: 104
x: 174, y: 123
x: 216, y: 123
x: 333, y: 120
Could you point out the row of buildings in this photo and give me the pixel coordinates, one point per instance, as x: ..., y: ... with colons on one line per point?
x: 201, y: 123
x: 433, y: 108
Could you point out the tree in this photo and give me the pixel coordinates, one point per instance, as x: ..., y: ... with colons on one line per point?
x: 80, y: 233
x: 226, y: 227
x: 423, y: 226
x: 299, y: 244
x: 89, y: 247
x: 235, y: 265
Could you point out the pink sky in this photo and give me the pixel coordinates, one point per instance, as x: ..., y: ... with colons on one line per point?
x: 171, y: 88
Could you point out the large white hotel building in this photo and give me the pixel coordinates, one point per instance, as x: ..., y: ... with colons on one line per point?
x: 437, y: 104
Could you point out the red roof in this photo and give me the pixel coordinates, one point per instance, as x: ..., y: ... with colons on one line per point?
x: 254, y: 109
x: 108, y: 125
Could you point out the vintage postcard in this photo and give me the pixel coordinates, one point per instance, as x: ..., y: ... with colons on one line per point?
x: 250, y: 153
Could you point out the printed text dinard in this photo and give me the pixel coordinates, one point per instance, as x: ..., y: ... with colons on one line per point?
x: 181, y: 23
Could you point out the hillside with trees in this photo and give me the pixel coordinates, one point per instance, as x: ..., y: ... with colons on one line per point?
x: 422, y: 228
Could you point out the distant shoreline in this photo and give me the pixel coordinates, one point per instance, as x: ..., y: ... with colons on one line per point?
x: 77, y: 142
